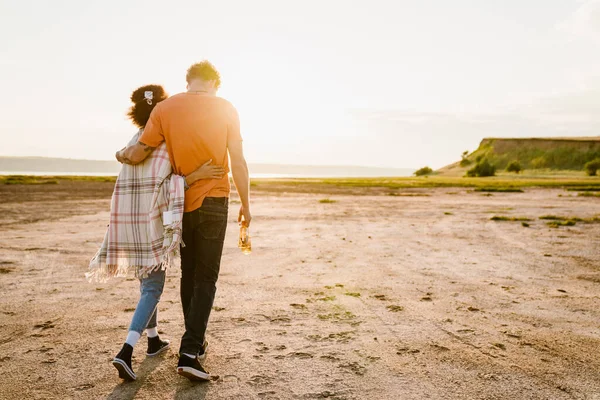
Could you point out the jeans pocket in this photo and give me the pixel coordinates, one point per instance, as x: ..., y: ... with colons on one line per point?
x: 211, y: 227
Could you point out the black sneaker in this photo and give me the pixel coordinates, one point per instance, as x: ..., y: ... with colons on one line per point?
x: 122, y: 363
x: 202, y: 353
x: 156, y: 346
x: 191, y: 369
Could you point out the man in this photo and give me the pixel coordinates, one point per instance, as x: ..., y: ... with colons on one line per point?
x: 198, y: 126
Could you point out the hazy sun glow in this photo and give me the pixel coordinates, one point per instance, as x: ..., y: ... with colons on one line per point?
x: 380, y: 83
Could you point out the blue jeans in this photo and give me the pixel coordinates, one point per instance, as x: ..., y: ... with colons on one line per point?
x: 145, y: 313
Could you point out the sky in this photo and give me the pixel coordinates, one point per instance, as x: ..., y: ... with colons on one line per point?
x: 392, y: 83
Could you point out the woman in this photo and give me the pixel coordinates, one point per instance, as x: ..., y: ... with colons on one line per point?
x: 145, y: 228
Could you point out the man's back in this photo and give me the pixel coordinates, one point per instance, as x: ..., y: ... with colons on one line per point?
x: 196, y: 128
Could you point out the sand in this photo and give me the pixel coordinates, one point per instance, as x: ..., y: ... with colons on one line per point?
x: 369, y: 297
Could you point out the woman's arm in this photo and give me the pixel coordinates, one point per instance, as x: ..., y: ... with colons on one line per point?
x: 206, y: 171
x: 134, y: 154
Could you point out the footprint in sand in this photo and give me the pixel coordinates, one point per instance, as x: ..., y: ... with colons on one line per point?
x: 84, y: 386
x: 260, y: 380
x: 395, y: 308
x: 45, y: 325
x: 406, y: 350
x: 340, y: 337
x: 330, y: 357
x: 353, y: 367
x: 298, y: 354
x: 262, y: 348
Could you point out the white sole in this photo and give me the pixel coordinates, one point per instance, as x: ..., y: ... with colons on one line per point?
x: 160, y: 351
x: 124, y: 371
x: 193, y: 374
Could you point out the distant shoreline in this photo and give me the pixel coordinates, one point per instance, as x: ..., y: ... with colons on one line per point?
x: 38, y: 166
x: 113, y: 174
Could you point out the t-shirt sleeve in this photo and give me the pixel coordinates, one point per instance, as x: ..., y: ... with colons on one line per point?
x: 153, y: 133
x: 233, y: 127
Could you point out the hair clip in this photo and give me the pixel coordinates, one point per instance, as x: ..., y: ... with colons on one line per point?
x: 148, y: 95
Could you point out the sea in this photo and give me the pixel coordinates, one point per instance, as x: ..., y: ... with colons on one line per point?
x: 51, y: 173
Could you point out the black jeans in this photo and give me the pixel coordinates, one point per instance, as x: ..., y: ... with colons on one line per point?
x: 203, y: 237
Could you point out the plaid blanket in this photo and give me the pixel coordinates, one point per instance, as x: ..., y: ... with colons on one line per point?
x: 136, y: 240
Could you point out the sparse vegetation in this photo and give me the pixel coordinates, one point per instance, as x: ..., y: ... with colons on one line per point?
x: 464, y: 160
x: 482, y: 169
x: 327, y: 298
x: 500, y: 189
x: 327, y: 201
x: 524, y: 224
x: 556, y: 224
x: 583, y: 189
x: 514, y: 166
x: 423, y: 171
x: 408, y: 194
x: 28, y: 180
x: 52, y: 180
x: 588, y: 194
x: 512, y: 219
x: 592, y: 167
x: 338, y: 316
x: 353, y: 294
x: 594, y: 219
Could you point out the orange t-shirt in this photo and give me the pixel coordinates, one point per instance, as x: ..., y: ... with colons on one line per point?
x: 196, y: 128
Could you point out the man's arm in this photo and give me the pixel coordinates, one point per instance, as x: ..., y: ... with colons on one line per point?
x: 134, y: 154
x: 241, y: 178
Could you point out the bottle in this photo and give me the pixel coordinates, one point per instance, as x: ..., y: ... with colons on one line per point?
x: 244, y: 242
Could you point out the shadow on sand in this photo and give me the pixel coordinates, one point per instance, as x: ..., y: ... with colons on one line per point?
x: 128, y: 390
x: 185, y: 388
x: 191, y: 390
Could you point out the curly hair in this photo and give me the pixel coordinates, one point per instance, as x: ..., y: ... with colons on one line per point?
x: 139, y: 113
x: 203, y: 70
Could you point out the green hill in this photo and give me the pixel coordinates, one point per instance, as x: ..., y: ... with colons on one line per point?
x: 559, y: 154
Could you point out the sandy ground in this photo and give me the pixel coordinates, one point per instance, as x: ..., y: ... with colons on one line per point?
x: 370, y: 297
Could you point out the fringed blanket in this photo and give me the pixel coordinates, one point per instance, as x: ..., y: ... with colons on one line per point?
x: 136, y: 240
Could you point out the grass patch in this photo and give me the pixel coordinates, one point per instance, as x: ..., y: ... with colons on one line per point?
x: 499, y: 189
x: 557, y: 218
x: 588, y: 194
x: 513, y: 219
x: 327, y: 298
x: 557, y: 224
x: 386, y: 185
x: 591, y: 220
x: 353, y: 294
x: 408, y: 194
x: 327, y: 201
x: 583, y: 189
x: 27, y: 180
x: 51, y: 180
x: 341, y: 316
x: 448, y: 213
x: 524, y: 224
